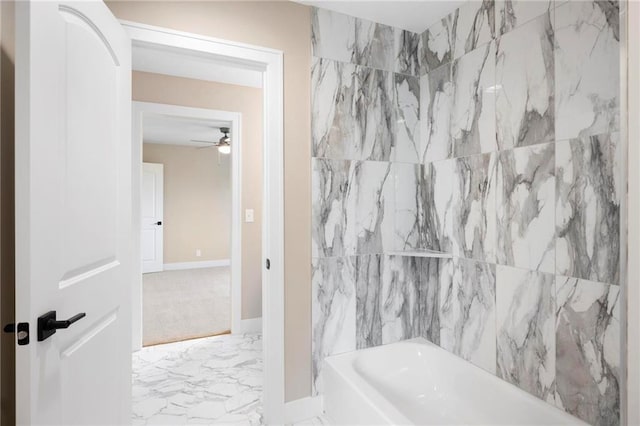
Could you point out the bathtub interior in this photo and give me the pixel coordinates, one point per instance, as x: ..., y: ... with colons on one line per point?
x: 417, y: 382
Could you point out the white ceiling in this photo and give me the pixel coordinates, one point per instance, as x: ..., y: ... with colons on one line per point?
x: 416, y: 16
x: 169, y: 130
x: 149, y: 58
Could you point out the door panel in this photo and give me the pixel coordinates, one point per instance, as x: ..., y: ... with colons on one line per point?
x: 152, y: 208
x: 73, y: 212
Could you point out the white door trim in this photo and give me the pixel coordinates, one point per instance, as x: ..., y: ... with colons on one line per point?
x: 270, y: 61
x: 140, y: 109
x: 630, y: 409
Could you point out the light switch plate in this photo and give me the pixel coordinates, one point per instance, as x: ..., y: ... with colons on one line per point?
x: 248, y: 215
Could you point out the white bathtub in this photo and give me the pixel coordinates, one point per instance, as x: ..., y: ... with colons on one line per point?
x: 417, y: 382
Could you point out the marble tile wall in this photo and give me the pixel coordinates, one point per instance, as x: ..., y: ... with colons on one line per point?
x: 520, y: 137
x: 493, y: 136
x: 368, y: 191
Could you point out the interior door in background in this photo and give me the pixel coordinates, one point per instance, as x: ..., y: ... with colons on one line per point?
x: 152, y: 202
x: 74, y: 251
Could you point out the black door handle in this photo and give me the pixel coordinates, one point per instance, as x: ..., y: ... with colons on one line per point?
x: 159, y: 223
x: 48, y: 324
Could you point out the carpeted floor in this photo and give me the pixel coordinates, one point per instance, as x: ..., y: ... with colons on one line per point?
x: 180, y: 305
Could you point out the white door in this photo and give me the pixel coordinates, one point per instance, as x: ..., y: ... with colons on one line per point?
x: 152, y: 203
x: 73, y: 213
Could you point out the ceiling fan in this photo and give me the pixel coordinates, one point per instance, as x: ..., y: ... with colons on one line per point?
x: 224, y: 144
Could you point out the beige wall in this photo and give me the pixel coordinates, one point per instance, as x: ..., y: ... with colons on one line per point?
x: 285, y: 26
x: 148, y: 87
x: 197, y: 202
x: 7, y: 232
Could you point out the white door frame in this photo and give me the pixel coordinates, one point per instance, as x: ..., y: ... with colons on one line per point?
x: 139, y: 111
x: 630, y: 289
x: 270, y: 61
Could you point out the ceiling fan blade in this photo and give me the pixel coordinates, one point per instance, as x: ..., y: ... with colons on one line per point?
x: 201, y: 141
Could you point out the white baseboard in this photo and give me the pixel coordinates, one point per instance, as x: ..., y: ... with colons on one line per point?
x: 178, y: 266
x: 302, y: 409
x: 252, y: 325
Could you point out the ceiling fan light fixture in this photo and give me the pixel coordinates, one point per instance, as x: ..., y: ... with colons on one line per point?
x: 224, y: 146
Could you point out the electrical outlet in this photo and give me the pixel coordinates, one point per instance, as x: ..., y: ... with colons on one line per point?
x: 248, y: 215
x: 198, y: 252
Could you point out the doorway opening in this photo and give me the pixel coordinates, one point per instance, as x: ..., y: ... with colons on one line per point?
x: 250, y: 360
x: 186, y: 228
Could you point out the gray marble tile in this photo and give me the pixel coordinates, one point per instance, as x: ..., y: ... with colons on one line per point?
x: 408, y: 207
x: 525, y: 208
x: 211, y: 380
x: 358, y: 41
x: 588, y: 350
x: 525, y: 85
x: 368, y: 319
x: 375, y: 115
x: 587, y: 64
x: 368, y: 211
x: 436, y: 101
x: 375, y: 45
x: 473, y: 113
x: 460, y: 107
x: 333, y: 311
x: 333, y: 109
x: 407, y: 123
x: 462, y: 31
x: 330, y: 185
x: 525, y: 320
x: 511, y: 14
x: 333, y: 35
x: 474, y: 207
x: 467, y: 313
x: 399, y: 298
x: 438, y: 201
x: 388, y: 304
x: 435, y: 274
x: 407, y: 52
x: 588, y: 189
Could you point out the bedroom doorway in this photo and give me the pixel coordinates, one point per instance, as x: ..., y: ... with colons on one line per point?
x: 186, y: 236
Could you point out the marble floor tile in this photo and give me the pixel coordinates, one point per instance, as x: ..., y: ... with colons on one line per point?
x: 525, y: 319
x: 588, y: 350
x: 587, y: 68
x: 588, y: 191
x: 215, y: 380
